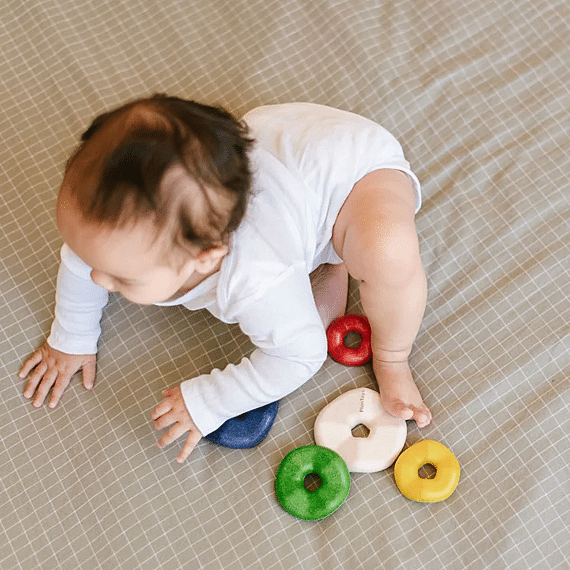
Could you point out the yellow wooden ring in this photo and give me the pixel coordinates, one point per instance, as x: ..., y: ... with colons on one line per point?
x: 425, y: 452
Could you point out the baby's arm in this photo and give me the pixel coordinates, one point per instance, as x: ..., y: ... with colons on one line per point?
x: 72, y: 344
x: 292, y: 347
x: 291, y: 341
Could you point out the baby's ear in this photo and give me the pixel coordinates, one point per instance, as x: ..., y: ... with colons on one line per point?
x: 207, y: 260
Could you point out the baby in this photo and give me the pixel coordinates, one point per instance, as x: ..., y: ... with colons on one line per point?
x: 170, y: 202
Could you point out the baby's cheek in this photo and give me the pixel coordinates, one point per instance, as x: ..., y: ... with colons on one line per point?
x: 149, y: 294
x: 138, y: 298
x: 103, y: 281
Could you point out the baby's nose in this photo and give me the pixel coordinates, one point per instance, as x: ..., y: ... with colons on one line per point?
x: 103, y: 280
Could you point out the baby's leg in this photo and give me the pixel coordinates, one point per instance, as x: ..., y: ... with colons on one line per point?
x: 330, y: 289
x: 376, y: 237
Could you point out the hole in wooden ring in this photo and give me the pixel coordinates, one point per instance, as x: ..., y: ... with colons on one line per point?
x: 352, y: 339
x: 360, y: 430
x: 427, y: 471
x: 312, y: 482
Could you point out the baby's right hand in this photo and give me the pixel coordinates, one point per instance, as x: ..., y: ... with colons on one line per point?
x: 54, y: 369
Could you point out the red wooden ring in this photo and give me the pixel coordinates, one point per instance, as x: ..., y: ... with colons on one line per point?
x: 336, y: 332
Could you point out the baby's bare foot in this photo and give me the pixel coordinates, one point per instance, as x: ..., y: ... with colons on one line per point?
x: 399, y: 393
x: 330, y: 290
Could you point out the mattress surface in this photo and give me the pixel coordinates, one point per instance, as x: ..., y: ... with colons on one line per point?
x: 478, y: 95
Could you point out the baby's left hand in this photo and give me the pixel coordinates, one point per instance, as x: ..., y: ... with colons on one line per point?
x: 172, y: 410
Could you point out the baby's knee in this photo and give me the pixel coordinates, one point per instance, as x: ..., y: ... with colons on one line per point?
x: 392, y: 255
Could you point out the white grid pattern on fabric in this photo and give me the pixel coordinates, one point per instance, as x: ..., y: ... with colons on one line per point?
x: 478, y: 94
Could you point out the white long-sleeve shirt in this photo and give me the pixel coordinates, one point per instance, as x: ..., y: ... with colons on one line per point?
x: 305, y: 161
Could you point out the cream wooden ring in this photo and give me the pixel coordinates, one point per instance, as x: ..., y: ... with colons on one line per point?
x: 334, y: 424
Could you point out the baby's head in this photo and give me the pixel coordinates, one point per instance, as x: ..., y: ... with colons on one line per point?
x: 152, y: 194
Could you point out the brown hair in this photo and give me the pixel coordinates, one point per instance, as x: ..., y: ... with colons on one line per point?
x: 145, y: 138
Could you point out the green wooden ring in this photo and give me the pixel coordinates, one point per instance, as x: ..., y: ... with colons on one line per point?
x: 290, y: 482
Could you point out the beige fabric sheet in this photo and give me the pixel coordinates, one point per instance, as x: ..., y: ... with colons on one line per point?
x: 478, y: 94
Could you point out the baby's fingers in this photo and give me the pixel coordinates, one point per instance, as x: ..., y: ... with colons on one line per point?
x: 34, y: 360
x: 172, y: 434
x: 44, y: 387
x: 164, y: 421
x: 35, y: 379
x: 191, y: 441
x: 59, y: 387
x: 163, y: 408
x: 89, y: 374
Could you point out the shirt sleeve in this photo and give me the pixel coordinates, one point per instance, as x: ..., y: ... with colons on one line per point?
x: 79, y: 305
x: 291, y: 347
